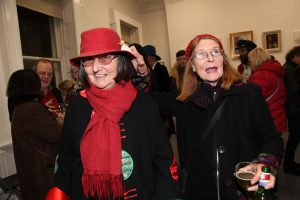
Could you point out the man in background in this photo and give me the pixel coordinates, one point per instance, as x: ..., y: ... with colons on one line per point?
x: 244, y: 47
x: 75, y: 77
x: 161, y: 72
x: 292, y: 86
x: 51, y: 95
x: 177, y: 71
x: 163, y: 81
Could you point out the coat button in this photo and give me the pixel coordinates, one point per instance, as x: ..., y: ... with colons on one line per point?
x: 221, y: 149
x: 228, y: 182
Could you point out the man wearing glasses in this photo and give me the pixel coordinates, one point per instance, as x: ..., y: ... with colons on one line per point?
x: 51, y: 95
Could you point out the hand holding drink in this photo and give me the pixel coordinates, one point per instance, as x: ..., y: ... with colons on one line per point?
x: 248, y: 174
x: 262, y: 193
x: 244, y: 174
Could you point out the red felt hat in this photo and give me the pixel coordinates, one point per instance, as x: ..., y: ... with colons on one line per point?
x: 199, y: 37
x: 99, y: 41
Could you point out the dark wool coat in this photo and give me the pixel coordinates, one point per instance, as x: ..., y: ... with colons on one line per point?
x: 292, y: 85
x: 244, y: 130
x: 35, y: 135
x: 144, y: 140
x: 269, y: 77
x: 162, y: 77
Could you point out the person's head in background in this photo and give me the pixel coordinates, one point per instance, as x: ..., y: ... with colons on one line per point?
x: 272, y: 57
x: 244, y: 47
x: 74, y: 71
x: 44, y: 70
x: 151, y: 56
x: 101, y: 62
x: 207, y: 63
x: 66, y: 87
x: 23, y: 85
x: 258, y: 56
x: 294, y: 55
x: 181, y: 59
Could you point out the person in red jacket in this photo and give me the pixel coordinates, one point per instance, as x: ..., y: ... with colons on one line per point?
x: 268, y: 74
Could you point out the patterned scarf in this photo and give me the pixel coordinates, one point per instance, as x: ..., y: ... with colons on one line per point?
x: 100, y: 145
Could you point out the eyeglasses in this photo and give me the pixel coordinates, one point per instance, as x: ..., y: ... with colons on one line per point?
x: 44, y: 74
x: 102, y: 59
x: 204, y: 55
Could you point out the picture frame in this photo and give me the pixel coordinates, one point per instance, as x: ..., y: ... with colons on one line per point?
x: 234, y: 37
x: 272, y: 41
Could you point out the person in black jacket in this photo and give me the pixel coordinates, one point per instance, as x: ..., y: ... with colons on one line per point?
x: 161, y: 72
x: 292, y: 85
x: 163, y: 80
x: 112, y: 145
x: 244, y: 130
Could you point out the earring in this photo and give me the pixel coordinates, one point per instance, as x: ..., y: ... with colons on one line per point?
x: 193, y: 68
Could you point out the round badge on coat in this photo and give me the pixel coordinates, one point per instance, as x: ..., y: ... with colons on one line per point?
x: 127, y: 165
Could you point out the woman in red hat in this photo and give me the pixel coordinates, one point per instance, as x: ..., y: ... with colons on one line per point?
x: 113, y: 144
x: 220, y: 122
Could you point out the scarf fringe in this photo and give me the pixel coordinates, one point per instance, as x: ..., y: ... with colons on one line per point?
x: 104, y: 186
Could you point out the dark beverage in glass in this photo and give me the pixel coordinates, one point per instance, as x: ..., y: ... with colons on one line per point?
x: 244, y: 178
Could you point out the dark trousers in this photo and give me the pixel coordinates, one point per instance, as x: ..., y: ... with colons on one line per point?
x: 293, y: 140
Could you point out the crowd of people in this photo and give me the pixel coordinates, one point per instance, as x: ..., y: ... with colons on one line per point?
x: 105, y: 133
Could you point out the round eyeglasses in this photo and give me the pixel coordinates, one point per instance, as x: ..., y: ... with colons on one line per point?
x: 102, y: 59
x: 204, y: 55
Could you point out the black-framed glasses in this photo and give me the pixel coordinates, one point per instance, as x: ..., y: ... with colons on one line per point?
x: 102, y: 59
x: 204, y: 55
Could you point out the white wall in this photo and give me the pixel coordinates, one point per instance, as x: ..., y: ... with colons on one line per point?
x: 188, y: 18
x: 10, y: 60
x: 96, y: 13
x: 155, y: 32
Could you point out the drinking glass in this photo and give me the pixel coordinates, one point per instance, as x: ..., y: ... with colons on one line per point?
x: 244, y: 176
x: 61, y: 107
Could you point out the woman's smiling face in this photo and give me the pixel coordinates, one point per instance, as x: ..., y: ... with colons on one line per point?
x: 208, y: 61
x: 100, y: 74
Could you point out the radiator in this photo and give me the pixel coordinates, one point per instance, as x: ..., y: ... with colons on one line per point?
x: 7, y: 161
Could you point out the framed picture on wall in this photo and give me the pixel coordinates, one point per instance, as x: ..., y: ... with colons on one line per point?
x: 234, y: 37
x: 272, y: 41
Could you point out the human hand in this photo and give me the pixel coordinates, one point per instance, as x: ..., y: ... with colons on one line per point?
x: 60, y: 117
x: 50, y: 106
x: 255, y: 179
x: 139, y: 63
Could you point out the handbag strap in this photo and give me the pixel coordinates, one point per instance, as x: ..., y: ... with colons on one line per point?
x: 213, y: 121
x: 271, y: 95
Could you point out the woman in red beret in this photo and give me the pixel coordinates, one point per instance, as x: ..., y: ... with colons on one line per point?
x: 220, y: 122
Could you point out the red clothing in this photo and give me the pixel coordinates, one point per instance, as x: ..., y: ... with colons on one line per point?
x: 48, y: 97
x: 267, y: 76
x: 240, y: 68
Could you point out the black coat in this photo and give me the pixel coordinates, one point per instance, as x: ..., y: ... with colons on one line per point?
x: 292, y: 86
x: 162, y: 77
x: 145, y: 142
x: 245, y: 130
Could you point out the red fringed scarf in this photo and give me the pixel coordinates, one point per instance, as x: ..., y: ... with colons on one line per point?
x: 100, y: 145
